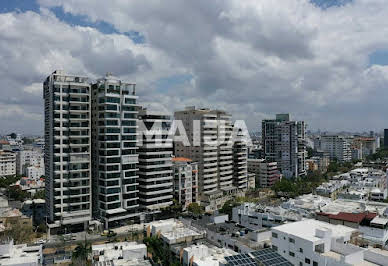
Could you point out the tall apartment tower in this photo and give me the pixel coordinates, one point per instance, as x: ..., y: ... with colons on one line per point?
x: 67, y: 151
x: 240, y: 163
x: 338, y: 147
x: 208, y: 132
x: 284, y: 142
x: 115, y: 158
x: 155, y: 165
x: 386, y: 138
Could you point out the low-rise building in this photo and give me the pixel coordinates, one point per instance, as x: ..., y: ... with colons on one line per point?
x: 185, y: 181
x: 10, y: 217
x: 120, y: 253
x: 256, y: 217
x: 202, y: 255
x: 312, y: 242
x: 174, y: 231
x: 332, y: 188
x: 11, y: 254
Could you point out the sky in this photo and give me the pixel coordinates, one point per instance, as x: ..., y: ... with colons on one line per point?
x: 322, y: 61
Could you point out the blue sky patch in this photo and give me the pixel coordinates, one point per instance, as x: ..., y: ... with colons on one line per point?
x: 379, y: 57
x: 324, y: 4
x: 102, y: 26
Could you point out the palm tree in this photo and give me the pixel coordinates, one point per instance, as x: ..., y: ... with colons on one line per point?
x: 81, y: 253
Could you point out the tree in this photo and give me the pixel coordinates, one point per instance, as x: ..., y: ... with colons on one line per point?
x: 40, y: 194
x: 16, y: 193
x: 228, y: 207
x: 20, y: 233
x: 81, y: 253
x: 195, y: 209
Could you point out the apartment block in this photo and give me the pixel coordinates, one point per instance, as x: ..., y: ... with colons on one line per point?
x: 267, y: 173
x: 283, y: 142
x: 27, y: 158
x: 115, y: 158
x: 209, y: 133
x: 7, y: 163
x: 240, y: 165
x: 185, y: 181
x: 155, y: 165
x: 338, y: 147
x: 67, y: 151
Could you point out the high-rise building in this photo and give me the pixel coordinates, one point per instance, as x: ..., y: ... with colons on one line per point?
x: 283, y: 142
x: 240, y: 157
x: 266, y: 173
x: 337, y: 147
x: 67, y: 151
x: 155, y: 165
x: 386, y: 138
x: 209, y: 134
x: 185, y: 181
x: 115, y: 158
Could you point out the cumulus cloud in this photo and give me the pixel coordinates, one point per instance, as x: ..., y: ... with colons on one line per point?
x: 252, y: 58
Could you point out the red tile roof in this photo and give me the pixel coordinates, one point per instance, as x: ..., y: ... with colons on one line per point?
x: 181, y: 159
x: 353, y: 217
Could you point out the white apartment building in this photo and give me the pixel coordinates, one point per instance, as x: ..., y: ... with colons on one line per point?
x: 312, y: 242
x: 267, y: 173
x: 155, y: 165
x: 240, y: 157
x: 7, y: 163
x: 284, y: 142
x: 35, y: 172
x: 257, y: 217
x: 26, y: 158
x: 338, y: 147
x: 209, y: 132
x: 120, y: 253
x: 115, y: 160
x: 185, y: 181
x: 67, y: 150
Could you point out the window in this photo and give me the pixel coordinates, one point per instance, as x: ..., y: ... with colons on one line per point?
x: 300, y: 263
x: 301, y: 250
x: 274, y: 235
x: 315, y: 263
x: 291, y: 240
x: 274, y: 247
x: 292, y: 254
x: 306, y: 260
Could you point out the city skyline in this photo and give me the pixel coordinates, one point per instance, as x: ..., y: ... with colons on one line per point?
x: 322, y: 61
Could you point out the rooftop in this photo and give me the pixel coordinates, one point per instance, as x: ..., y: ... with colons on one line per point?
x: 306, y: 229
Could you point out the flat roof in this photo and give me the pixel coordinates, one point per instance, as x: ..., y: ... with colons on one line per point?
x: 379, y: 220
x: 306, y: 229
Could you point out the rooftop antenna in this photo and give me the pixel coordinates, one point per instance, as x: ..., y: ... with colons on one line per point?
x: 134, y: 89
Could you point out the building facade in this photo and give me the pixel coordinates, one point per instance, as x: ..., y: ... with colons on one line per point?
x: 115, y: 160
x: 209, y: 133
x: 7, y: 163
x: 267, y: 173
x: 284, y: 142
x: 155, y: 165
x: 337, y: 147
x: 67, y: 150
x: 185, y: 181
x: 26, y: 158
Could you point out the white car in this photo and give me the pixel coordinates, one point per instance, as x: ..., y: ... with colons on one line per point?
x: 40, y: 241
